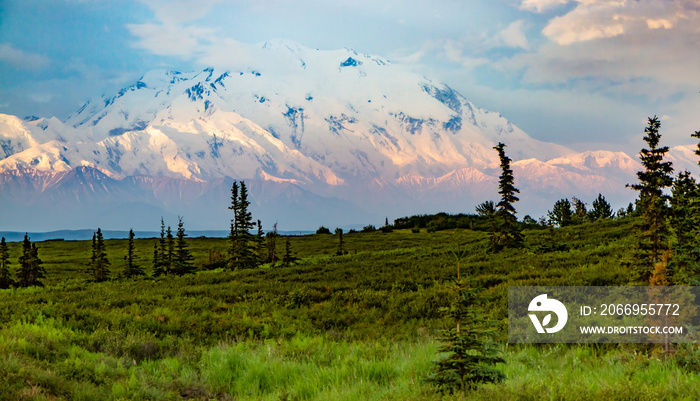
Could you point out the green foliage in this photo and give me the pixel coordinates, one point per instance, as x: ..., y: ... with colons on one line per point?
x: 271, y: 246
x: 323, y: 230
x: 6, y: 280
x: 486, y: 209
x: 182, y: 261
x: 561, y: 214
x: 684, y: 219
x: 243, y: 248
x: 362, y: 326
x: 161, y: 259
x: 99, y: 264
x: 368, y: 229
x: 289, y: 258
x: 471, y: 353
x: 132, y: 269
x: 580, y: 213
x: 601, y: 209
x: 31, y: 269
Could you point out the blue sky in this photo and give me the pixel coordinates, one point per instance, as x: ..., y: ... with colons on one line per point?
x: 583, y: 73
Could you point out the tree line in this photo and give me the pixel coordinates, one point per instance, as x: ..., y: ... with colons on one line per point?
x: 171, y: 254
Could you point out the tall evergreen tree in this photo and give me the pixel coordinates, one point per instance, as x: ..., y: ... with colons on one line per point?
x: 183, y: 257
x: 31, y: 269
x: 260, y: 245
x: 242, y: 252
x: 652, y: 202
x: 6, y: 280
x: 601, y: 209
x: 169, y: 259
x: 99, y: 264
x: 132, y: 269
x: 508, y: 233
x: 160, y: 253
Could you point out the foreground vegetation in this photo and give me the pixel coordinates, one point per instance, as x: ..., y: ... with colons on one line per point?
x: 362, y: 325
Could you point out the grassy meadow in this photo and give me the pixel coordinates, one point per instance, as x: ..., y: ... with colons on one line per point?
x: 361, y: 326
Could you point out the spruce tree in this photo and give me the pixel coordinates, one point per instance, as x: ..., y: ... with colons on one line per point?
x: 289, y: 258
x: 99, y: 264
x: 580, y: 213
x: 234, y: 241
x: 6, y: 280
x: 601, y: 209
x: 561, y: 214
x: 685, y: 220
x: 260, y: 245
x: 31, y: 269
x: 471, y: 353
x: 160, y: 253
x: 132, y: 269
x: 168, y: 260
x: 242, y: 252
x: 652, y: 201
x: 183, y: 257
x: 508, y: 233
x: 271, y: 239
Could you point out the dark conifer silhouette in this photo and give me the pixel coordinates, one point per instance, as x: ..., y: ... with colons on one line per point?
x: 601, y: 209
x: 508, y: 233
x: 242, y: 249
x: 132, y: 269
x: 561, y: 214
x: 169, y: 259
x: 160, y: 253
x: 99, y: 264
x: 31, y: 269
x: 6, y: 280
x: 182, y: 263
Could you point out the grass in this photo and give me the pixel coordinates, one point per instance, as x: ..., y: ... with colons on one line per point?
x: 356, y: 327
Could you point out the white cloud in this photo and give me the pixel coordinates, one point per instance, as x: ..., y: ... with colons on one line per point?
x: 21, y: 59
x: 186, y: 42
x: 541, y: 5
x: 513, y: 35
x: 597, y: 19
x: 645, y: 48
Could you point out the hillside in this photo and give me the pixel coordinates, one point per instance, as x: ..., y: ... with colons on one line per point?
x: 272, y: 333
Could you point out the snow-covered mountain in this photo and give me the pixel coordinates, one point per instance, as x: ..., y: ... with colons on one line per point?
x: 323, y: 137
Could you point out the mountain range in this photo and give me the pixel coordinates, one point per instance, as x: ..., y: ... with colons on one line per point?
x: 335, y: 138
